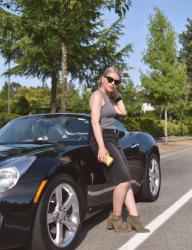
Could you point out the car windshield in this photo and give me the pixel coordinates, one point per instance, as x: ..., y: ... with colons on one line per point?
x: 59, y: 128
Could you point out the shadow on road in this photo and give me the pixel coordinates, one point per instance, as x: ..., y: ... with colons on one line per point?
x: 95, y: 220
x: 87, y: 226
x: 91, y: 223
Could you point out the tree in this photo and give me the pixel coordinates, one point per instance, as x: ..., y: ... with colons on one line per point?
x: 186, y: 52
x: 21, y: 106
x: 34, y: 54
x: 14, y: 86
x: 71, y: 29
x: 38, y: 98
x: 166, y: 80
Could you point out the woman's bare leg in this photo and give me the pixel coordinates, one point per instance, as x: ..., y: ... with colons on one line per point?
x: 119, y: 196
x: 130, y: 202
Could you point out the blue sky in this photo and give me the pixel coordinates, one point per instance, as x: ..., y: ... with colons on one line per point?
x: 136, y: 29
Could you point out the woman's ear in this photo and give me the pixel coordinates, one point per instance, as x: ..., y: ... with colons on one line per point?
x: 102, y: 79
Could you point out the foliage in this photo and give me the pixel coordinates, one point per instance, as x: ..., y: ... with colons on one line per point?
x: 150, y: 115
x: 131, y: 123
x: 155, y: 127
x: 186, y: 50
x: 36, y: 99
x: 5, y: 118
x: 132, y: 97
x: 14, y: 86
x: 3, y: 106
x: 4, y: 95
x: 47, y: 36
x: 21, y: 106
x: 166, y: 81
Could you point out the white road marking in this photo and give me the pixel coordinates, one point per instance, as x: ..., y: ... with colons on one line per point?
x: 139, y: 238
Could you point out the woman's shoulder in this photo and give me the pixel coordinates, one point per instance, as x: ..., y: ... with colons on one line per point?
x: 96, y: 94
x: 96, y: 98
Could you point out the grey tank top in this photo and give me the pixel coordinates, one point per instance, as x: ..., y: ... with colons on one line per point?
x: 108, y: 113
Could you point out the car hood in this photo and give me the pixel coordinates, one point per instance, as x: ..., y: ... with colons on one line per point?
x: 16, y: 150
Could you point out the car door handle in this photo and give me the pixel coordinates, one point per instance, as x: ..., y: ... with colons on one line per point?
x: 136, y: 145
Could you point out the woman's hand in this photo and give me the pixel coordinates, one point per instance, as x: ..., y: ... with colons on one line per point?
x: 115, y: 91
x: 102, y: 154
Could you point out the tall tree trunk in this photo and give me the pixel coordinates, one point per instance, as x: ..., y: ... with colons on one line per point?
x: 166, y: 125
x: 64, y: 76
x: 8, y: 90
x: 53, y: 91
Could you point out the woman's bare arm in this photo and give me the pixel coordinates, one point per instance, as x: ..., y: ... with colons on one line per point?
x: 119, y: 106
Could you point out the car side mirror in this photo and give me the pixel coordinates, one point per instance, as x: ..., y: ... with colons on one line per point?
x: 121, y: 133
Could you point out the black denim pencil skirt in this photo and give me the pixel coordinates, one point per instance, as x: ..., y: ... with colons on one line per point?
x: 119, y: 171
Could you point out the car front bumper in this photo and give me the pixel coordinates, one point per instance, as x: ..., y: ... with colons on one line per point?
x: 17, y: 211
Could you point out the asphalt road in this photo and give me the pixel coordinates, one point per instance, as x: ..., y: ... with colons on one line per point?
x: 175, y: 231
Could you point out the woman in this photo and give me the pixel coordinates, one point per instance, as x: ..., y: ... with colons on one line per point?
x: 105, y: 103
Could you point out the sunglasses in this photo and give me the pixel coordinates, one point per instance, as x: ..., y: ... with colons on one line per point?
x: 110, y: 80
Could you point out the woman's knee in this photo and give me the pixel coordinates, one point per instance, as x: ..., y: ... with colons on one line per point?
x: 125, y: 184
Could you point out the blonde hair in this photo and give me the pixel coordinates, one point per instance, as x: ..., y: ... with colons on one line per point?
x: 108, y: 70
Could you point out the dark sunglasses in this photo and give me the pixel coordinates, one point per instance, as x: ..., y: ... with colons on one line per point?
x: 110, y: 80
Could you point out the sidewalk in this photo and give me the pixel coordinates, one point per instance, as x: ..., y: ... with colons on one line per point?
x: 182, y: 142
x: 174, y: 138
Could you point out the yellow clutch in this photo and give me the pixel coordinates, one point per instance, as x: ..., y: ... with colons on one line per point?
x: 108, y: 160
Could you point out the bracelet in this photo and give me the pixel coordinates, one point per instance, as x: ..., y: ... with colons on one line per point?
x: 118, y: 97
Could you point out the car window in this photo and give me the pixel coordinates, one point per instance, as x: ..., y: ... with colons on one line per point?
x: 16, y: 131
x: 64, y: 128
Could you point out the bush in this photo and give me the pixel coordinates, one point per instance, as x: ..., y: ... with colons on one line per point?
x: 5, y: 118
x: 153, y: 127
x: 21, y: 106
x: 189, y: 126
x: 149, y: 125
x: 177, y: 129
x: 188, y: 122
x: 150, y: 115
x: 184, y: 130
x: 3, y: 106
x: 131, y: 123
x: 173, y: 129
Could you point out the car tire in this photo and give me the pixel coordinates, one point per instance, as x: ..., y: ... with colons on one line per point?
x: 152, y: 180
x: 58, y: 218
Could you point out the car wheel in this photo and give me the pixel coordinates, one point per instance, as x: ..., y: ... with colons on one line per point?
x: 58, y: 218
x: 152, y: 180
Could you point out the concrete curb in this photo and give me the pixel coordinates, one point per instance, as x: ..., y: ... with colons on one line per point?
x: 173, y: 144
x: 173, y: 139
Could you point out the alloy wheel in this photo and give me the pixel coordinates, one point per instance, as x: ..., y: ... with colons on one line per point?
x: 63, y: 215
x: 154, y: 176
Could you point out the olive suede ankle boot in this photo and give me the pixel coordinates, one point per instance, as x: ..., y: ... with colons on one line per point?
x: 134, y: 222
x: 115, y: 222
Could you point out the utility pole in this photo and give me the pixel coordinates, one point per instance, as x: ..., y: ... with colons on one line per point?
x: 8, y: 91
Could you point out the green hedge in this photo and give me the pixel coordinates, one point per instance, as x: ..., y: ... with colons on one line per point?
x: 155, y: 127
x: 5, y: 118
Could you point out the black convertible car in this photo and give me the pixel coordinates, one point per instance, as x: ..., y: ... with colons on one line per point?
x: 50, y: 180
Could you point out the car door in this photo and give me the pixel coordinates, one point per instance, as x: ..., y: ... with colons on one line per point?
x: 80, y: 128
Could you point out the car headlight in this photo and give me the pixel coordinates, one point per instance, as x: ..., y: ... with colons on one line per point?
x: 8, y: 178
x: 10, y: 173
